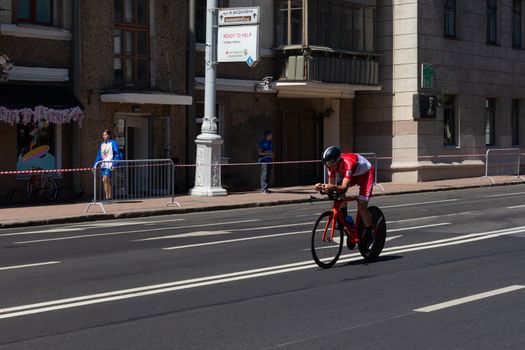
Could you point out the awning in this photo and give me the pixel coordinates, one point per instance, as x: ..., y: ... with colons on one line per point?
x: 21, y: 96
x: 22, y: 104
x: 317, y: 89
x: 158, y: 98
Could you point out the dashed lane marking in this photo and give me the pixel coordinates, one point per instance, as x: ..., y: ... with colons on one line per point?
x: 132, y: 231
x: 469, y: 299
x: 29, y: 265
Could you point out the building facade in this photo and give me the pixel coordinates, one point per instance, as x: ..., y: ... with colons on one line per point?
x: 313, y: 62
x: 427, y: 86
x: 122, y: 63
x: 474, y: 49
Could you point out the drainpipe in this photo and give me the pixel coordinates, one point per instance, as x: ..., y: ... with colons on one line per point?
x: 76, y: 90
x: 190, y: 90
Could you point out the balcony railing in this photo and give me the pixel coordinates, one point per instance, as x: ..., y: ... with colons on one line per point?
x: 330, y: 67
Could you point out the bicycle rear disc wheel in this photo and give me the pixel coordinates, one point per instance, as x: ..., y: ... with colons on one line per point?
x: 325, y: 251
x: 370, y: 251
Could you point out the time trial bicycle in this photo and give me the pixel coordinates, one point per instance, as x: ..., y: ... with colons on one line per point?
x: 331, y: 230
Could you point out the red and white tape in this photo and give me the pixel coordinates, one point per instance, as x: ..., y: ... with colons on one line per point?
x: 40, y: 171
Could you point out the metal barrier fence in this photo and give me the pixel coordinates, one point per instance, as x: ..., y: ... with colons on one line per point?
x: 125, y: 180
x: 502, y: 161
x: 372, y: 158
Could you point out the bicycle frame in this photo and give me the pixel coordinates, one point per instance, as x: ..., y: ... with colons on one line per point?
x: 351, y: 232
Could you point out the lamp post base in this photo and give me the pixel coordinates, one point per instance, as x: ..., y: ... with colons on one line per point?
x: 208, y: 172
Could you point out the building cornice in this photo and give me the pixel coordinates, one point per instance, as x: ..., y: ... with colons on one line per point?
x: 21, y: 73
x: 35, y: 32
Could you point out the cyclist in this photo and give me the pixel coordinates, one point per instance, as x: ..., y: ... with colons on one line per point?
x: 353, y: 169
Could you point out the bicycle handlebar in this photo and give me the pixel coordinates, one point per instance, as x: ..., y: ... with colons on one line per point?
x: 337, y: 195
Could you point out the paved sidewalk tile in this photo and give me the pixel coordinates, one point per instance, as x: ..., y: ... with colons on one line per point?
x: 76, y: 212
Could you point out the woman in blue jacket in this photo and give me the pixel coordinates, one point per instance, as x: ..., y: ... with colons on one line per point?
x: 107, y: 152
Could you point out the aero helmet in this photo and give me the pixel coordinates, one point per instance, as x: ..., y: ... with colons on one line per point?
x: 331, y: 156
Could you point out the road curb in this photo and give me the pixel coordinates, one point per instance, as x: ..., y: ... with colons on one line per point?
x: 158, y: 212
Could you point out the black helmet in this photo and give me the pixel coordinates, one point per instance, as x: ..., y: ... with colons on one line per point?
x: 331, y: 155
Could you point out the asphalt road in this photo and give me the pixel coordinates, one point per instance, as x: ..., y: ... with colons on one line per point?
x: 451, y: 276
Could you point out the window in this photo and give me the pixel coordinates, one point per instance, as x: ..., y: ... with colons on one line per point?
x: 35, y: 11
x: 131, y: 43
x: 289, y: 22
x: 200, y: 22
x: 341, y: 25
x: 515, y: 122
x: 449, y: 121
x: 490, y: 118
x: 450, y: 18
x: 492, y: 22
x: 516, y: 23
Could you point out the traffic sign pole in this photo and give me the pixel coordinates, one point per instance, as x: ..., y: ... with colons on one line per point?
x: 209, y: 142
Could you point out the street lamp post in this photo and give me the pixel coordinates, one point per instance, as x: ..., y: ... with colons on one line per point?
x: 209, y: 142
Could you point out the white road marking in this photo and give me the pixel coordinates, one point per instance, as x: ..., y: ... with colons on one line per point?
x: 454, y: 240
x: 284, y: 234
x: 415, y: 219
x: 60, y: 230
x: 417, y: 227
x: 516, y: 206
x: 28, y: 265
x: 420, y: 203
x: 504, y: 194
x: 202, y: 234
x: 470, y: 298
x: 234, y: 240
x: 229, y: 231
x: 276, y: 226
x: 113, y: 224
x: 392, y: 237
x: 68, y: 303
x: 81, y: 227
x: 132, y: 231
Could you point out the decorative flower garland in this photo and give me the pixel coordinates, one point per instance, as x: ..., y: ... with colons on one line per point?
x: 27, y: 115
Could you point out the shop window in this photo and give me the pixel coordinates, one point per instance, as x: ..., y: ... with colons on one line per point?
x: 516, y: 24
x: 515, y: 122
x: 289, y: 22
x: 35, y: 11
x: 492, y: 22
x: 449, y: 121
x: 131, y: 43
x: 450, y: 18
x: 340, y: 25
x: 200, y: 22
x: 35, y: 143
x: 490, y: 119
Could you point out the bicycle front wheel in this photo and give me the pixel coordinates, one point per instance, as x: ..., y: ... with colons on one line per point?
x: 326, y: 250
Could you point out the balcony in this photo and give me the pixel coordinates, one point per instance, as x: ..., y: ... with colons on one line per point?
x: 348, y: 70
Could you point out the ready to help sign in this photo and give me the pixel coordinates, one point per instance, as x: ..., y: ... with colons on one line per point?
x: 238, y: 44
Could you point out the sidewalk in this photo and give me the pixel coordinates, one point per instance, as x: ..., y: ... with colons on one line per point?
x: 75, y: 212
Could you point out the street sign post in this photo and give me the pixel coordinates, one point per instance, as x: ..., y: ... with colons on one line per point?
x: 238, y: 44
x: 238, y: 35
x: 238, y: 16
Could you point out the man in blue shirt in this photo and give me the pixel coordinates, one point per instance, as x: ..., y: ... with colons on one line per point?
x: 265, y: 157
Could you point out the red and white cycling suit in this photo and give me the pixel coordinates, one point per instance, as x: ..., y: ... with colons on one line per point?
x: 360, y: 172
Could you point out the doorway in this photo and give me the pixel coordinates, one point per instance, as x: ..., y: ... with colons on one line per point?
x: 301, y: 139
